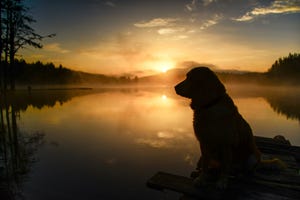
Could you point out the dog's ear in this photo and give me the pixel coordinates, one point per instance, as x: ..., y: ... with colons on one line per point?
x: 206, y: 86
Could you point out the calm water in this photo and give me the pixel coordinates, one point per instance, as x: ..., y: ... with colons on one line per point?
x: 106, y: 143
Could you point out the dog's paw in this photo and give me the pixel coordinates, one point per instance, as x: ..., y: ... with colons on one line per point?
x: 222, y: 183
x: 201, y: 180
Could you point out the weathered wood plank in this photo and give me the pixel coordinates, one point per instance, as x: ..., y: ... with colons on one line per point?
x: 289, y: 160
x: 238, y: 189
x: 263, y: 185
x: 181, y: 184
x: 269, y: 145
x: 295, y: 151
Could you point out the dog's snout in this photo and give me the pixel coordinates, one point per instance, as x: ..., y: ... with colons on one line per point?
x: 182, y: 89
x: 177, y: 88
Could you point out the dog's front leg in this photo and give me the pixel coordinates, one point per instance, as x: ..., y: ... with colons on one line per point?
x: 203, y: 167
x: 226, y: 163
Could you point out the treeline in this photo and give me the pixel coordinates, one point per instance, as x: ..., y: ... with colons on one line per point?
x: 286, y: 68
x: 49, y: 74
x: 16, y: 32
x: 39, y: 73
x: 284, y: 71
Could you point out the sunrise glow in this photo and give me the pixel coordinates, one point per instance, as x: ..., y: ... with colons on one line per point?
x: 164, y: 97
x: 165, y: 66
x: 130, y: 40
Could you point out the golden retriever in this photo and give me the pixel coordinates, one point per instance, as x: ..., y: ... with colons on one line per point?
x: 226, y: 139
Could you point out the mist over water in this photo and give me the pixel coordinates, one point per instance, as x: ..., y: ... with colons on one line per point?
x: 106, y: 143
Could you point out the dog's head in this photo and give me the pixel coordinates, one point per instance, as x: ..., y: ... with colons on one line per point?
x: 201, y: 85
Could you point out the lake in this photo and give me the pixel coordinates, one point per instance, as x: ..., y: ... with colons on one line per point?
x: 106, y: 143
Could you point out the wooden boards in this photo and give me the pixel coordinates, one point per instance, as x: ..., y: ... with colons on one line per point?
x: 263, y: 185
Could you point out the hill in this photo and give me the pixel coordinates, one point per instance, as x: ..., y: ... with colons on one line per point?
x: 49, y: 74
x: 284, y: 71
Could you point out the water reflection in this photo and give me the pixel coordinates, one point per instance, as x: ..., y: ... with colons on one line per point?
x: 284, y: 101
x: 40, y: 98
x: 17, y: 150
x: 107, y: 140
x: 110, y: 141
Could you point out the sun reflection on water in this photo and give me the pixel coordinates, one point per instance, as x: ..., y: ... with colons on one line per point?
x: 112, y: 134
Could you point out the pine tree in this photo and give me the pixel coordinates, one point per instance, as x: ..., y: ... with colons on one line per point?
x: 286, y: 67
x: 16, y: 33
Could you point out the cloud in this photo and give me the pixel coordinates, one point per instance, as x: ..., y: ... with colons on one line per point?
x: 55, y: 47
x: 210, y: 22
x: 194, y: 4
x: 181, y: 37
x: 157, y: 22
x: 206, y: 13
x: 110, y: 3
x: 167, y: 26
x: 190, y: 7
x: 168, y: 31
x: 207, y: 2
x: 277, y: 7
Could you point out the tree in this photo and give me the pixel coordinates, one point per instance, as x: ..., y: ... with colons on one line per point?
x: 286, y: 69
x: 286, y: 66
x: 1, y: 46
x: 16, y: 34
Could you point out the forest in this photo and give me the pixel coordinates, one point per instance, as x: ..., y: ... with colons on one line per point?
x: 16, y: 32
x: 38, y: 73
x: 284, y: 71
x: 286, y: 68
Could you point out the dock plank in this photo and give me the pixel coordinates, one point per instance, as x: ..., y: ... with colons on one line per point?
x: 269, y: 145
x: 238, y: 189
x: 264, y: 184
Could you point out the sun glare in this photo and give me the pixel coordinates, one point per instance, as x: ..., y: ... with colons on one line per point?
x: 164, y: 66
x: 163, y: 97
x: 164, y: 69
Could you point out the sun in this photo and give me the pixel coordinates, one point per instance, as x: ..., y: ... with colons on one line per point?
x: 164, y: 66
x: 164, y: 69
x: 164, y: 97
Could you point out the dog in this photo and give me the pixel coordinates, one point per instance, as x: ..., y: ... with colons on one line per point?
x: 226, y: 139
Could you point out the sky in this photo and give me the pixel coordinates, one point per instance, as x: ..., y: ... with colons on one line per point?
x: 144, y: 37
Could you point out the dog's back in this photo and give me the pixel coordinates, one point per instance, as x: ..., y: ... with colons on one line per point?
x: 222, y: 125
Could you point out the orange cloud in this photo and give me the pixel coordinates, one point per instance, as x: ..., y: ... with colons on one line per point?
x: 157, y: 22
x: 55, y: 47
x: 277, y: 7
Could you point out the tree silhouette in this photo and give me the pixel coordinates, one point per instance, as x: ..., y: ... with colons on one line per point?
x: 16, y: 33
x: 286, y: 67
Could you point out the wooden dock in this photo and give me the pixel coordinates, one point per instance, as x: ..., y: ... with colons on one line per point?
x: 261, y: 186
